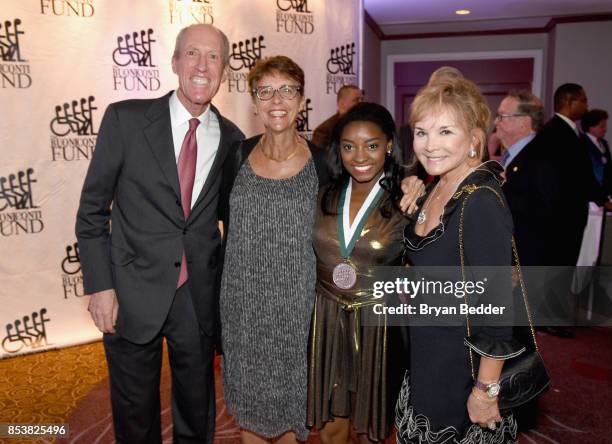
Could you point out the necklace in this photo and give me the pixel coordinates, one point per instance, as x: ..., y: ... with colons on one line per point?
x: 290, y: 156
x: 423, y: 214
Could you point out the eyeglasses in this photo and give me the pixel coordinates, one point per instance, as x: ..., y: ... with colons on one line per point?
x: 286, y: 92
x: 507, y: 116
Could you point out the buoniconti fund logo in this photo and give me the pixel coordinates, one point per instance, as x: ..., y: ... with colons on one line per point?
x: 73, y: 136
x: 14, y: 72
x: 302, y: 121
x: 72, y: 278
x: 243, y: 57
x: 19, y: 215
x: 294, y: 17
x: 68, y: 8
x: 340, y: 68
x: 191, y: 11
x: 27, y: 333
x: 133, y: 59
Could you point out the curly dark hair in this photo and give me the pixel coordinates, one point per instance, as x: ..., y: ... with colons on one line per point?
x: 392, y: 176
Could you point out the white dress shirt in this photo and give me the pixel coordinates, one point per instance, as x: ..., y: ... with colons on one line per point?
x: 515, y: 149
x: 208, y: 136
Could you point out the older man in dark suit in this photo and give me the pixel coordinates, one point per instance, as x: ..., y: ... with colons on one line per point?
x: 549, y: 184
x: 519, y: 116
x: 149, y: 243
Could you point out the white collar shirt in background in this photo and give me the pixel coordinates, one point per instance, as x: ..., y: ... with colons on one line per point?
x: 570, y: 123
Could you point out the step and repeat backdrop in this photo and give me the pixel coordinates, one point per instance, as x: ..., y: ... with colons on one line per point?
x: 62, y: 62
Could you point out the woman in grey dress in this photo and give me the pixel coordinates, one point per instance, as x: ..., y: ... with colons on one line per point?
x: 268, y: 205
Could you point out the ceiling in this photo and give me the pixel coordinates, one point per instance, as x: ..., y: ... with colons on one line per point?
x: 438, y: 16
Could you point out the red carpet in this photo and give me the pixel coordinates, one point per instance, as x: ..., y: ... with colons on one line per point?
x: 576, y: 409
x: 578, y: 406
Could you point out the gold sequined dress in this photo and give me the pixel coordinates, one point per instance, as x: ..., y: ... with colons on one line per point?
x: 355, y: 370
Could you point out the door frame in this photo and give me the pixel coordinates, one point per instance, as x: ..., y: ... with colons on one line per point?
x: 536, y: 54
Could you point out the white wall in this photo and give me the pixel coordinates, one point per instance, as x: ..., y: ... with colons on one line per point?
x: 371, y: 64
x: 573, y: 52
x: 460, y: 45
x: 583, y: 55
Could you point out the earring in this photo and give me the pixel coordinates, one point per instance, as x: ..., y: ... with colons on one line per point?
x: 389, y: 149
x: 472, y: 153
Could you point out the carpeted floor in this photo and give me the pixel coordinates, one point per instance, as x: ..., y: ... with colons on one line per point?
x: 71, y: 385
x: 45, y: 387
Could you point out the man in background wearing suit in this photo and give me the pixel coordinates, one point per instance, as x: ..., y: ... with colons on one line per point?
x: 348, y: 96
x: 571, y: 184
x: 519, y: 116
x: 549, y: 185
x: 594, y: 124
x: 149, y: 243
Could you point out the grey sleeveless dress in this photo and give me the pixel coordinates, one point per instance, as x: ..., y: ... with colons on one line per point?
x: 267, y: 297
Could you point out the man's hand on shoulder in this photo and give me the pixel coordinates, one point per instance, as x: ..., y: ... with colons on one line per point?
x: 103, y: 307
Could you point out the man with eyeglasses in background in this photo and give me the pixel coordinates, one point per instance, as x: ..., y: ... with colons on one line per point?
x: 519, y: 116
x: 549, y: 185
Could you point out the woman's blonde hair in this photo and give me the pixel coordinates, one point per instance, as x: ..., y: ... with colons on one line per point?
x: 461, y: 97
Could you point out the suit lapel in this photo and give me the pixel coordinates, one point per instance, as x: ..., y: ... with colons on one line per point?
x: 159, y: 137
x: 517, y: 163
x: 220, y: 156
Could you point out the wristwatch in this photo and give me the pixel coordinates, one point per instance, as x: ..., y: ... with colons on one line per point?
x: 492, y: 389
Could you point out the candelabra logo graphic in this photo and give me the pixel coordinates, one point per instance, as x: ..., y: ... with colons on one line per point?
x: 134, y: 48
x: 340, y: 68
x: 303, y: 124
x: 294, y: 17
x: 134, y: 67
x: 27, y: 333
x: 16, y: 191
x: 243, y: 57
x: 14, y: 72
x: 18, y: 213
x: 73, y: 134
x: 293, y: 5
x: 72, y: 278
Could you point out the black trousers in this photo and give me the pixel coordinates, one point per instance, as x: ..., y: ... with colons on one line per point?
x: 135, y: 370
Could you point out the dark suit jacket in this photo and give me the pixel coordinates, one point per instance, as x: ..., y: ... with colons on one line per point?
x: 521, y: 201
x: 139, y: 253
x: 548, y: 187
x: 322, y: 134
x: 601, y: 169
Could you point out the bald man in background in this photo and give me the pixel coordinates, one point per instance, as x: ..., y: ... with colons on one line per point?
x: 348, y: 96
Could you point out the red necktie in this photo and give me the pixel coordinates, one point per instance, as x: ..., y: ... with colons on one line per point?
x: 186, y: 172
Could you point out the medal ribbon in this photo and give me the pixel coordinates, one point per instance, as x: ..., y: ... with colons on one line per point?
x: 370, y: 203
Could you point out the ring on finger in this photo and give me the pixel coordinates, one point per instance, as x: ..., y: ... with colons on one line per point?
x: 492, y: 425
